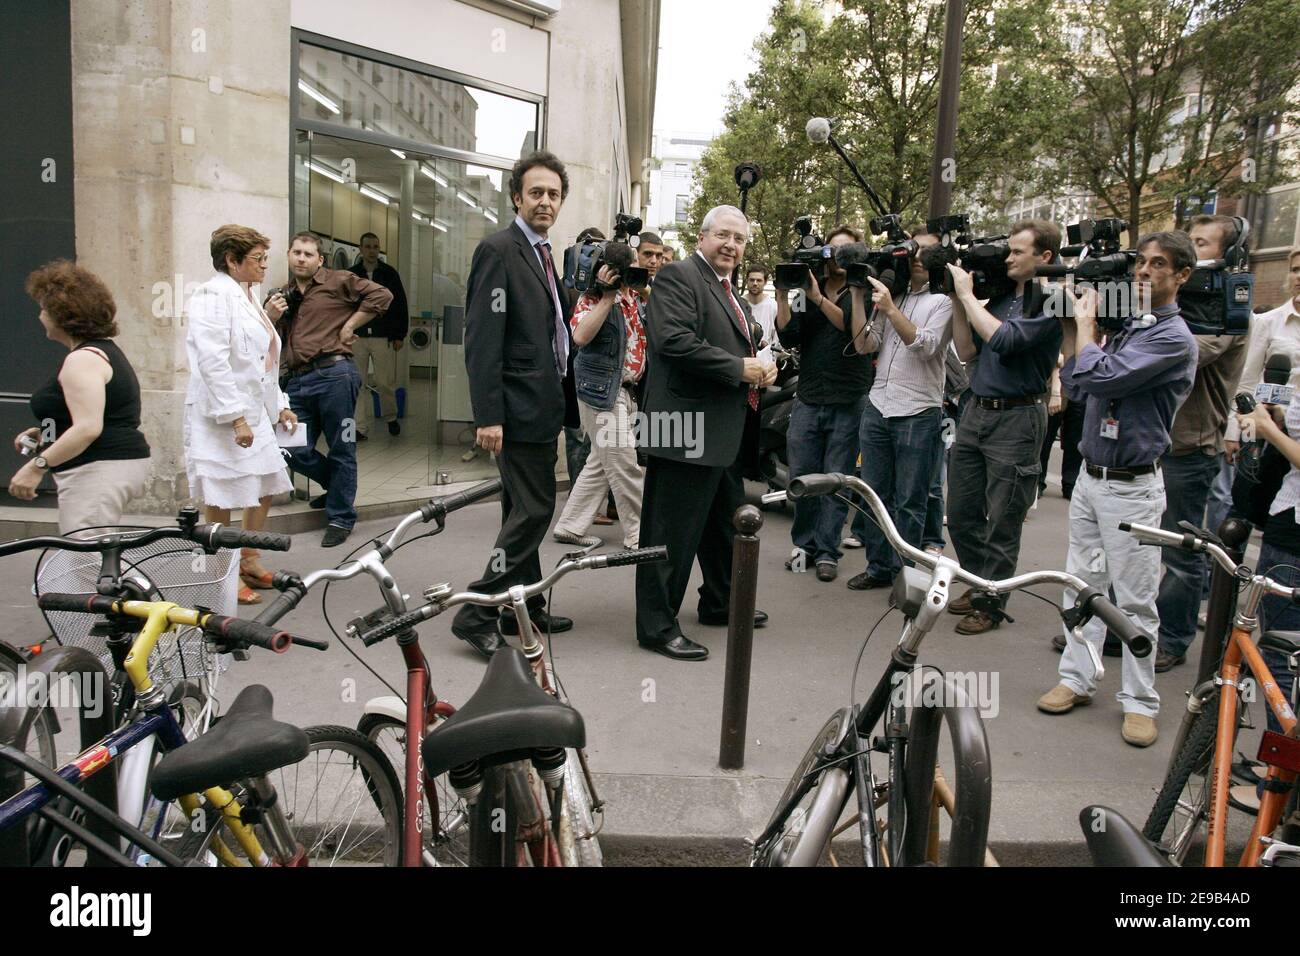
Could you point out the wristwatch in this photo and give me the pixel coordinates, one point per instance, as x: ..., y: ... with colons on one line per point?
x: 40, y: 462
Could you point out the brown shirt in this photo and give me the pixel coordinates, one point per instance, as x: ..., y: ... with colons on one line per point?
x: 1200, y: 421
x: 332, y: 296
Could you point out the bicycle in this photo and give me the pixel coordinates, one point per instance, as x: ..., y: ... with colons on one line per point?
x: 248, y: 745
x: 513, y: 752
x: 390, y: 721
x: 1195, y: 789
x: 839, y: 759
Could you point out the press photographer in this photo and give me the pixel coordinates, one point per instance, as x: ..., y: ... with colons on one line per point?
x: 833, y: 383
x: 902, y: 419
x: 1193, y: 461
x: 609, y: 362
x: 994, y: 471
x: 1133, y: 385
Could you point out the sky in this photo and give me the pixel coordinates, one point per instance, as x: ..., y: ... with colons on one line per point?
x: 703, y: 46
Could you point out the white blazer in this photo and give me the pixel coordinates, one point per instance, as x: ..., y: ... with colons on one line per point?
x: 228, y: 375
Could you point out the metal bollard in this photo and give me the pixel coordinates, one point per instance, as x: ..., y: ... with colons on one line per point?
x: 740, y: 637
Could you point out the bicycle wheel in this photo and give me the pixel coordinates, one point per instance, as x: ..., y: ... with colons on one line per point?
x: 166, y: 822
x: 446, y: 839
x: 342, y: 801
x: 579, y: 845
x: 801, y: 825
x: 1182, y: 805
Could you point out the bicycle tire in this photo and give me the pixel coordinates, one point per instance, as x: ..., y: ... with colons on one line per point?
x: 377, y: 844
x: 448, y: 844
x: 579, y: 843
x: 1179, y: 792
x: 785, y: 829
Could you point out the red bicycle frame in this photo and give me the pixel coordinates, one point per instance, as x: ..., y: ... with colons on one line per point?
x: 422, y: 710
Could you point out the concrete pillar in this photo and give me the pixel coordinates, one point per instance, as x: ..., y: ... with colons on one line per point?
x: 181, y: 124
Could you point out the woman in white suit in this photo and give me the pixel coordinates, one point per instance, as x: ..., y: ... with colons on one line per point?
x: 234, y: 400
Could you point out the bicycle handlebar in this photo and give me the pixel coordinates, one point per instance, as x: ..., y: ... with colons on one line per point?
x: 440, y: 507
x: 1090, y: 601
x: 208, y: 536
x: 1198, y: 545
x: 235, y: 630
x: 433, y: 608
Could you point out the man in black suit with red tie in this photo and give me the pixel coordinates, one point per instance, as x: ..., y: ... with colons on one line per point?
x: 517, y: 353
x: 702, y: 389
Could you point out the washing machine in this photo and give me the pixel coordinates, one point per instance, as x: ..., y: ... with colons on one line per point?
x: 421, y: 341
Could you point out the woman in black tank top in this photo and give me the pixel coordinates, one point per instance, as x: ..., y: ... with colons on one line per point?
x: 89, y: 435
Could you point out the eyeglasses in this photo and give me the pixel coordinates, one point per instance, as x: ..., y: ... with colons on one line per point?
x: 735, y: 237
x: 262, y: 258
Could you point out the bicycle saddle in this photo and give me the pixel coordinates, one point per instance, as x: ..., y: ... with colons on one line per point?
x: 505, y: 718
x: 1284, y: 642
x: 246, y: 742
x: 1113, y: 841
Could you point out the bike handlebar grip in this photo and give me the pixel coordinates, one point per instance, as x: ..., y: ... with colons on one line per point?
x: 403, y: 622
x: 247, y: 632
x: 1137, y: 640
x: 444, y: 506
x: 284, y: 602
x: 77, y: 603
x: 1125, y: 526
x: 636, y: 556
x: 238, y: 538
x: 809, y: 486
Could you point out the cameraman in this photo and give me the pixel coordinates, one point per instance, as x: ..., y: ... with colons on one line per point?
x: 1132, y: 385
x: 833, y: 382
x: 607, y: 367
x: 994, y: 472
x: 902, y: 419
x: 1191, y: 465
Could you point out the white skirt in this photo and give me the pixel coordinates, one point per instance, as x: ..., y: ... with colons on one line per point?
x: 242, y: 476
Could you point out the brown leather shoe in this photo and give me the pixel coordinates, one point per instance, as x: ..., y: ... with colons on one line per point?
x: 1061, y: 700
x: 962, y: 604
x: 976, y: 622
x: 1139, y: 730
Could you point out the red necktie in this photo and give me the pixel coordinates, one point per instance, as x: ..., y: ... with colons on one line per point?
x: 749, y: 339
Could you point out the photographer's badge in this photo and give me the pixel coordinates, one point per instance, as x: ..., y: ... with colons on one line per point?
x: 1110, y: 428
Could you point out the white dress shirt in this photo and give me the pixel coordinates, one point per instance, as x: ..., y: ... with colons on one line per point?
x: 1274, y: 332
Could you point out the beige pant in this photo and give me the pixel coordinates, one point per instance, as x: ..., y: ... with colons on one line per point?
x: 612, y: 466
x: 93, y: 495
x: 382, y: 380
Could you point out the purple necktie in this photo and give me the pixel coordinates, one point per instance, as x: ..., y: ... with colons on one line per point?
x: 561, y: 337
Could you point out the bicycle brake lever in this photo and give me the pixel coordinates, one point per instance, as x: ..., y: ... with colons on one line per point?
x: 1099, y: 669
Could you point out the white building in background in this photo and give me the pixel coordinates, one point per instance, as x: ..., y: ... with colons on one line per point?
x: 672, y: 181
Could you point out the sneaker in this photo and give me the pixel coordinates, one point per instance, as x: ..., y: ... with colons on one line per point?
x: 851, y: 543
x: 1061, y: 700
x: 1201, y: 621
x: 394, y: 428
x: 334, y: 536
x: 1139, y: 730
x: 1166, y: 661
x: 581, y: 540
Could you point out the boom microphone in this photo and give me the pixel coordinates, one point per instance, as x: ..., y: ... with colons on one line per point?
x: 818, y: 129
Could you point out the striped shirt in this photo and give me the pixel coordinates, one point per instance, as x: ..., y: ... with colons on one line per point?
x: 909, y: 378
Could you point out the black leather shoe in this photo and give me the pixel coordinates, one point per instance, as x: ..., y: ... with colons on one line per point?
x: 558, y: 625
x: 394, y: 428
x: 827, y: 571
x: 680, y: 648
x: 318, y: 502
x: 760, y: 618
x: 865, y: 582
x: 485, y: 642
x: 334, y: 536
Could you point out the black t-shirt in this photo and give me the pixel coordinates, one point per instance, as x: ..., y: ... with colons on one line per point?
x: 1282, y: 532
x: 831, y: 372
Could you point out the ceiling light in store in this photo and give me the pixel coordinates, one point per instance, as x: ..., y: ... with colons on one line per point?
x: 319, y: 97
x: 417, y: 217
x: 325, y: 171
x: 397, y: 152
x: 439, y: 225
x: 432, y: 175
x: 466, y: 198
x: 490, y: 215
x: 376, y: 196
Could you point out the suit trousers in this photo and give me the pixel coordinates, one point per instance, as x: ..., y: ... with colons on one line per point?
x: 382, y: 381
x: 527, y: 506
x: 690, y: 509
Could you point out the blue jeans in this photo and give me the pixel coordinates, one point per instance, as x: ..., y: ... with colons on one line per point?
x: 1187, y: 486
x: 1278, y: 614
x: 324, y: 400
x: 822, y: 439
x: 900, y: 457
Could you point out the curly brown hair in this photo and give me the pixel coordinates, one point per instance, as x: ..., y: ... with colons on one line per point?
x: 239, y: 241
x: 75, y: 298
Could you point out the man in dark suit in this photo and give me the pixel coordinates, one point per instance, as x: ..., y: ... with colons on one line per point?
x: 701, y: 400
x: 517, y: 353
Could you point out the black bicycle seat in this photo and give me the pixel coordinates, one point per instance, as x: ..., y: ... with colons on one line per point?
x: 506, y: 717
x: 246, y: 742
x: 1284, y: 642
x: 1113, y: 841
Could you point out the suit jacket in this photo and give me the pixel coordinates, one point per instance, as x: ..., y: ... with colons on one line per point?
x: 509, y: 324
x: 695, y: 366
x: 394, y: 323
x: 228, y: 376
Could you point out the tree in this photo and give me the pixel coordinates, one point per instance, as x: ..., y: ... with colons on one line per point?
x: 874, y: 65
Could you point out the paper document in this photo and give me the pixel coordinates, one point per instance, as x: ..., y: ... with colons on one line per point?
x: 295, y: 439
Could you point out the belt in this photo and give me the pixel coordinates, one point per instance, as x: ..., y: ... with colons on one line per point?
x: 319, y: 361
x: 1121, y: 474
x: 998, y: 404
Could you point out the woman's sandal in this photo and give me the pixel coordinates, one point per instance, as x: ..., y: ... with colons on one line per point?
x: 249, y: 596
x: 262, y: 581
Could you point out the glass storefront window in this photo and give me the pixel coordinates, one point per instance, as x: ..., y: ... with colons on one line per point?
x: 1277, y: 225
x: 334, y: 88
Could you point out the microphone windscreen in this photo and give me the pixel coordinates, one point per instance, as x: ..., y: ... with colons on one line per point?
x: 818, y: 129
x: 1277, y: 371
